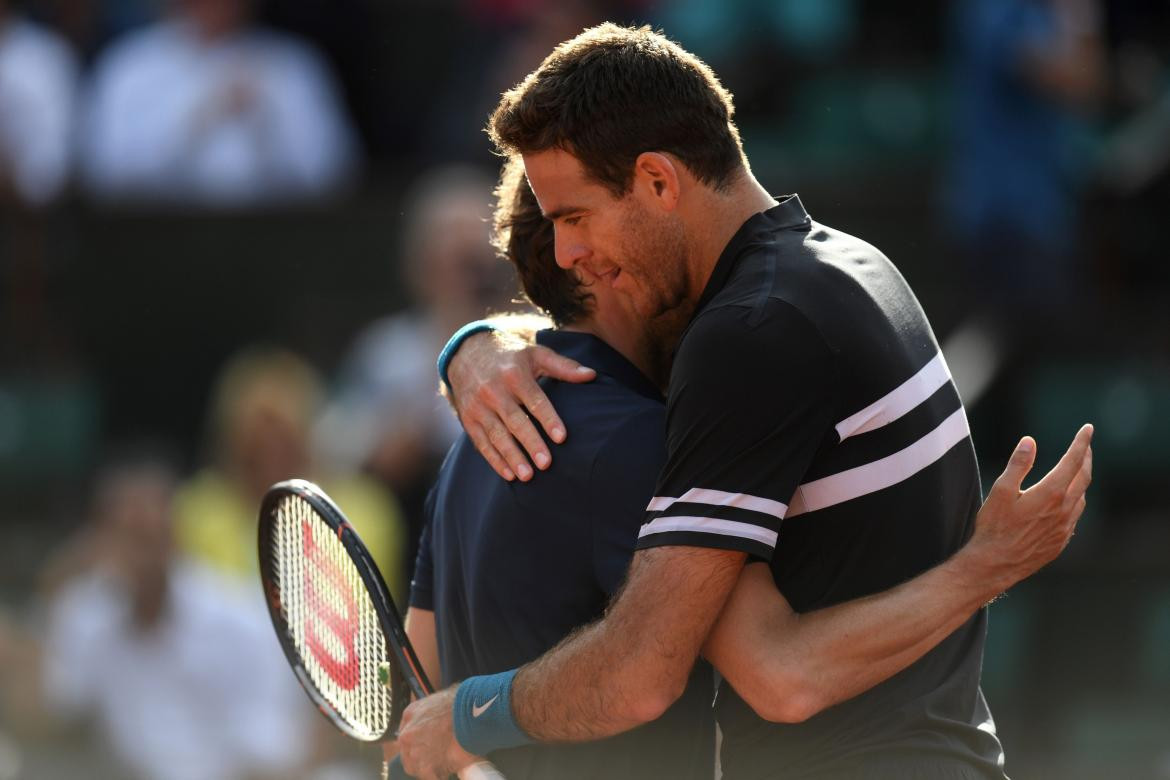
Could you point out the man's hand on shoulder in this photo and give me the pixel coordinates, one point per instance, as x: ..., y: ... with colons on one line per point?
x: 494, y: 390
x: 1017, y: 532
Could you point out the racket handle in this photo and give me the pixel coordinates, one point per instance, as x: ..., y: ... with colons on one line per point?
x: 481, y: 770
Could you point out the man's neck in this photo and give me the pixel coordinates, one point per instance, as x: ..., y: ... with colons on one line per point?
x: 649, y: 346
x: 627, y: 341
x: 717, y: 216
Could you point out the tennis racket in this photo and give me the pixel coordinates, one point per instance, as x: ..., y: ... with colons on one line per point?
x: 335, y: 618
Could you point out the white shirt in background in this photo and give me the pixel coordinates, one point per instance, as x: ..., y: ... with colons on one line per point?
x: 248, y: 120
x: 387, y: 388
x: 205, y: 695
x: 38, y: 80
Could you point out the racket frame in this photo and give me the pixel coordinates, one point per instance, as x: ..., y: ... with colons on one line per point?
x: 404, y: 667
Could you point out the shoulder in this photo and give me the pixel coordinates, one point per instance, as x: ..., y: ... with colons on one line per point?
x: 636, y: 437
x: 364, y: 497
x: 136, y: 56
x: 207, y: 493
x: 741, y: 335
x: 597, y: 410
x: 403, y: 337
x: 38, y: 47
x: 209, y: 513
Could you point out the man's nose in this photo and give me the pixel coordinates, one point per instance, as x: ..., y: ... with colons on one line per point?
x: 569, y: 252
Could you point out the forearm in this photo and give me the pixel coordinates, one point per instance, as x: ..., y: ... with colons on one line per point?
x: 791, y: 666
x: 824, y: 657
x: 420, y: 630
x: 848, y: 648
x: 589, y: 688
x: 628, y: 668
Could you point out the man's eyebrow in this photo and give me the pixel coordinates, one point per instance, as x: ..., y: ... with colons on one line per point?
x: 555, y: 214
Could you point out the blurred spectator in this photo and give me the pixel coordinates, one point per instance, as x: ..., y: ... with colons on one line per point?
x: 261, y: 412
x: 1026, y: 70
x: 794, y: 28
x: 207, y: 109
x: 1025, y: 74
x: 498, y: 43
x: 37, y: 89
x: 89, y: 25
x: 387, y: 414
x: 180, y: 672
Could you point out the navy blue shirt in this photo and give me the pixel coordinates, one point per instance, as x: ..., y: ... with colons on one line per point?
x: 511, y: 568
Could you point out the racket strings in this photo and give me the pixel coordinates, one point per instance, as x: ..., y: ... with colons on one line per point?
x: 331, y: 617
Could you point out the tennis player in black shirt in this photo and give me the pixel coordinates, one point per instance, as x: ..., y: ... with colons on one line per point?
x: 811, y: 423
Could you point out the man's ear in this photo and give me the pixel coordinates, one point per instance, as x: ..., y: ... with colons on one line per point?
x: 656, y: 178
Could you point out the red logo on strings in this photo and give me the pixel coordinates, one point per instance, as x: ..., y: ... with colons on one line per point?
x: 336, y: 614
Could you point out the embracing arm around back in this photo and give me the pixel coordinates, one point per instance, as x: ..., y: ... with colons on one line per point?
x: 789, y: 666
x: 629, y: 667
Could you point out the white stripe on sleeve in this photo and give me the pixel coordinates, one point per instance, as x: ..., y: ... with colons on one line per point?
x: 709, y: 525
x: 880, y: 474
x: 764, y: 506
x: 899, y: 401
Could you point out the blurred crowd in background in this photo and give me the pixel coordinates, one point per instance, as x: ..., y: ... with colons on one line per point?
x: 234, y: 235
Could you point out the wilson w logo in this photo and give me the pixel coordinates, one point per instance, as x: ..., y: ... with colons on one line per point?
x: 332, y: 627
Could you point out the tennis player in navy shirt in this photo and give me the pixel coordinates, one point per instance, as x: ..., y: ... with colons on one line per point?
x: 506, y: 570
x: 510, y: 569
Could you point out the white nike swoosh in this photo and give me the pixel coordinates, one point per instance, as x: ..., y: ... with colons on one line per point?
x: 477, y: 710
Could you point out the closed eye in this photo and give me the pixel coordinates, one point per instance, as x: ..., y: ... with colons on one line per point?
x: 571, y: 220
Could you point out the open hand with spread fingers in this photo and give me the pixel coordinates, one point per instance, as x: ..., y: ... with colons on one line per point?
x: 1017, y: 531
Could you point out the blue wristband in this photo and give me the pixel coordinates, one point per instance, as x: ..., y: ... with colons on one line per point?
x: 455, y: 342
x: 483, y: 714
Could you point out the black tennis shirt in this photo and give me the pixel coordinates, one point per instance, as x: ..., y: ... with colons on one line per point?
x: 511, y: 568
x: 812, y: 422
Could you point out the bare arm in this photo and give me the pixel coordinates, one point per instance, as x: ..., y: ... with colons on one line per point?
x: 628, y: 668
x: 789, y: 666
x: 608, y: 677
x: 420, y: 630
x: 494, y: 390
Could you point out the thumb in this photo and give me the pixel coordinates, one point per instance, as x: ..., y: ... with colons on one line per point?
x: 549, y: 363
x: 1020, y: 464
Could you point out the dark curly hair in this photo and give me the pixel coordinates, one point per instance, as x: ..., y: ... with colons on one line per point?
x: 614, y: 92
x: 522, y: 235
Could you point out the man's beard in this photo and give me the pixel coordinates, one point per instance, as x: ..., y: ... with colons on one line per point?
x: 663, y: 278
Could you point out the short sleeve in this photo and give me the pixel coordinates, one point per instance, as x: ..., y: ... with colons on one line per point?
x: 752, y: 398
x: 422, y: 587
x: 622, y: 481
